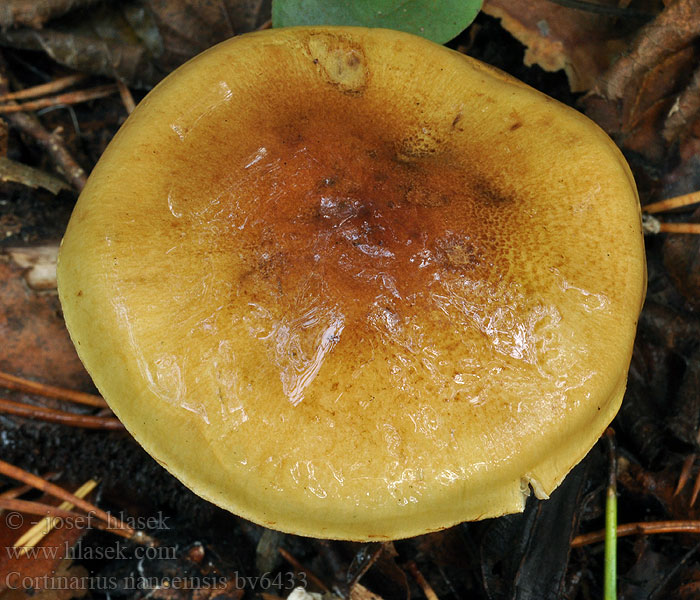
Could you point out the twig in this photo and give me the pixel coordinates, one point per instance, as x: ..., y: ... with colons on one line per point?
x: 16, y: 492
x: 299, y: 567
x: 51, y: 87
x: 23, y: 489
x: 68, y: 98
x: 50, y: 142
x: 53, y: 145
x: 641, y: 528
x: 58, y: 492
x: 671, y: 203
x: 696, y: 490
x: 685, y: 473
x: 36, y: 533
x: 652, y: 226
x: 43, y: 413
x: 12, y: 382
x: 54, y: 512
x: 693, y: 228
x: 421, y: 581
x: 127, y: 98
x: 365, y: 565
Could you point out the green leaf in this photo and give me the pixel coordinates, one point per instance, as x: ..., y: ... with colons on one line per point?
x: 437, y: 20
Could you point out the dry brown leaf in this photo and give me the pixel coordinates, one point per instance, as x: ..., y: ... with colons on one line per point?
x: 649, y: 97
x: 37, y: 573
x: 690, y: 145
x: 88, y: 53
x: 682, y: 261
x: 64, y: 575
x: 139, y: 41
x: 685, y: 110
x: 360, y: 592
x: 3, y: 138
x: 35, y: 343
x: 556, y: 37
x: 672, y: 31
x: 34, y: 13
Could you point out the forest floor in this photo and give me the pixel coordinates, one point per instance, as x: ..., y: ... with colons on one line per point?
x: 635, y: 70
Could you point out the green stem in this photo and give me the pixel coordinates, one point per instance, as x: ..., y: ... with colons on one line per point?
x: 609, y: 590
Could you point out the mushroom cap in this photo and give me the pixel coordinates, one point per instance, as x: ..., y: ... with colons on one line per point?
x: 348, y: 283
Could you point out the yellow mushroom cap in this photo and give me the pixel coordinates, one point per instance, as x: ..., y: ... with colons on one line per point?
x: 348, y: 283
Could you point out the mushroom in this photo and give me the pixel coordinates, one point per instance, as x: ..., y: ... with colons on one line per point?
x: 351, y: 284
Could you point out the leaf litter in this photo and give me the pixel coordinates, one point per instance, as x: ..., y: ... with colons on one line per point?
x: 637, y: 76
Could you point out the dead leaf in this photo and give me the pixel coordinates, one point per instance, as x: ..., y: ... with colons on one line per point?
x: 140, y: 41
x: 660, y: 485
x: 34, y: 338
x: 682, y: 261
x: 43, y: 564
x: 689, y: 591
x: 34, y: 13
x: 360, y: 592
x: 685, y: 111
x: 558, y: 37
x: 89, y: 53
x: 648, y: 96
x: 684, y: 421
x: 188, y: 27
x: 690, y: 144
x: 3, y: 138
x: 670, y: 32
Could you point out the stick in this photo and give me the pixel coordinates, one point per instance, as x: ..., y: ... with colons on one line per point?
x: 671, y: 203
x: 58, y: 492
x: 127, y: 98
x: 36, y: 533
x: 422, y: 581
x: 51, y: 415
x: 642, y: 528
x: 45, y: 88
x: 12, y: 382
x: 54, y: 512
x: 50, y: 142
x: 693, y: 228
x: 68, y: 98
x: 299, y: 567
